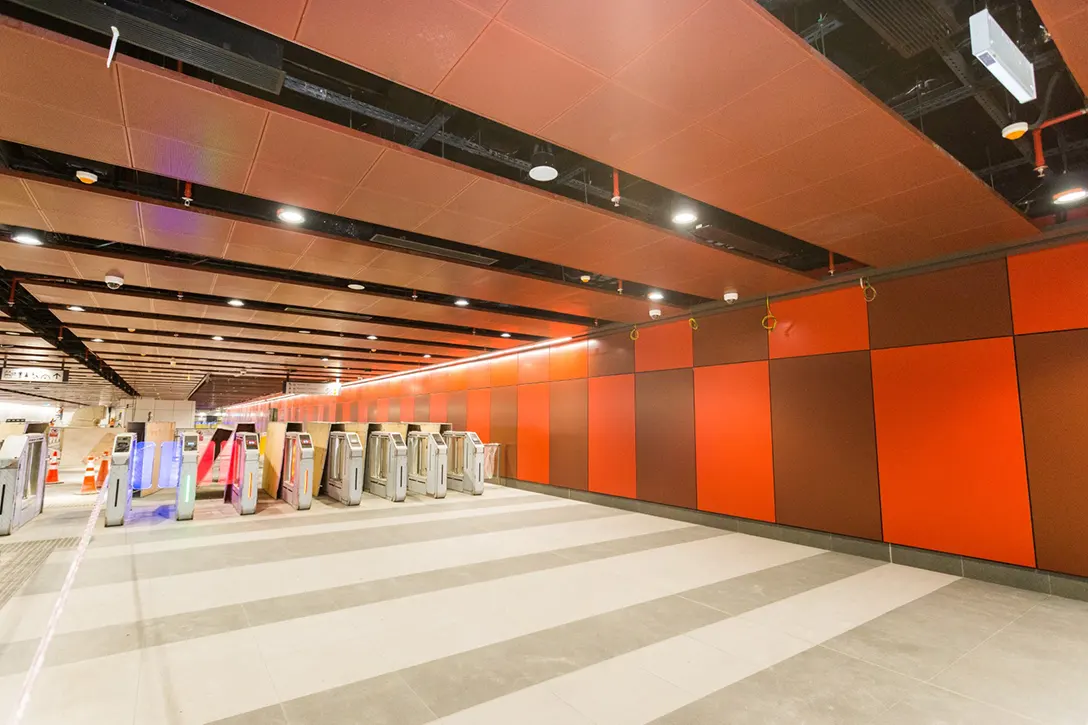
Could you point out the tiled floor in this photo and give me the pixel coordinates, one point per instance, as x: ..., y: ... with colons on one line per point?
x: 516, y: 607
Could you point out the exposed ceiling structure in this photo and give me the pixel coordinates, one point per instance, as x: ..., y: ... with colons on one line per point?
x: 403, y: 134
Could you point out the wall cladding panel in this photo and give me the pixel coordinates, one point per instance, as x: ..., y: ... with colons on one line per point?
x: 1048, y: 289
x: 731, y: 337
x: 568, y: 445
x: 665, y: 437
x: 612, y: 435
x: 612, y: 354
x: 457, y: 409
x: 504, y: 426
x: 533, y: 437
x: 664, y: 347
x: 478, y: 414
x: 819, y: 324
x: 825, y: 470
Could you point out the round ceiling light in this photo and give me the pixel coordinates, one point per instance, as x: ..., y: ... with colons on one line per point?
x: 684, y: 216
x: 1071, y: 196
x: 543, y: 168
x: 31, y: 240
x: 461, y: 303
x: 428, y: 355
x: 13, y: 333
x: 356, y: 286
x: 98, y: 339
x: 505, y: 334
x: 1069, y: 189
x: 236, y: 303
x: 371, y: 337
x: 1015, y: 130
x: 217, y: 338
x: 655, y: 296
x: 288, y: 215
x: 75, y: 308
x: 304, y: 332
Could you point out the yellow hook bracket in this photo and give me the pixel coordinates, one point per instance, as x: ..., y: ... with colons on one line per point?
x: 634, y: 333
x: 769, y: 321
x: 867, y: 289
x: 693, y: 323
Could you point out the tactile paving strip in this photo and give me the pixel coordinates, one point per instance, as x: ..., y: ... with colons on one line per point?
x: 19, y: 562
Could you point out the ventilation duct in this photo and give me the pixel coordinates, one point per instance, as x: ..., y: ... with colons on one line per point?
x: 722, y: 239
x: 180, y: 32
x: 909, y: 26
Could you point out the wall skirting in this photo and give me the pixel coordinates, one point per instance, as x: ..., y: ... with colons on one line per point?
x: 1021, y: 577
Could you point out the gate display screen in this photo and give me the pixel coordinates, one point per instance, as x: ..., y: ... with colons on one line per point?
x: 121, y: 445
x: 251, y: 443
x: 304, y: 441
x: 189, y: 444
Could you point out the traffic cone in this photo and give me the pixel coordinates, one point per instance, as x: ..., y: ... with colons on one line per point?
x: 88, y: 477
x: 52, y: 474
x: 103, y: 469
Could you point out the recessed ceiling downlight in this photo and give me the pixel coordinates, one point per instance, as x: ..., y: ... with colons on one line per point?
x: 217, y: 338
x: 543, y: 168
x: 236, y: 303
x: 356, y: 286
x: 75, y: 308
x: 461, y: 303
x: 31, y: 240
x: 684, y: 216
x: 655, y: 296
x: 289, y: 215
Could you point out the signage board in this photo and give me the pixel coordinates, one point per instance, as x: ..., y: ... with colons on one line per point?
x: 300, y: 388
x: 33, y: 375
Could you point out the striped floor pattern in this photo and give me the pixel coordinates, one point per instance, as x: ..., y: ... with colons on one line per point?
x: 519, y: 608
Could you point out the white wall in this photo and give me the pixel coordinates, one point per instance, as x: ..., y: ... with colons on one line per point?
x: 32, y: 412
x: 182, y: 413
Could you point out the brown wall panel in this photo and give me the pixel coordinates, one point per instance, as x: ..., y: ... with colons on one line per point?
x: 965, y: 303
x: 372, y: 412
x: 393, y: 411
x: 731, y: 337
x: 569, y: 427
x: 1053, y: 369
x: 665, y: 437
x: 422, y: 408
x: 612, y: 354
x: 457, y: 409
x: 825, y: 467
x: 504, y: 426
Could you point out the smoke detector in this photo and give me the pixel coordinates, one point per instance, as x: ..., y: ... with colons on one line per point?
x: 1015, y: 130
x: 87, y: 177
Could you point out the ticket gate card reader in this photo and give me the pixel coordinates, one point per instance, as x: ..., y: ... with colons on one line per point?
x: 23, y: 461
x: 245, y: 463
x: 387, y: 466
x: 297, y: 474
x: 344, y: 471
x: 427, y: 464
x: 119, y: 486
x: 466, y: 462
x: 185, y: 460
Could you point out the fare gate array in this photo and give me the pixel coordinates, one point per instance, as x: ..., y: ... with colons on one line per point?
x: 23, y: 463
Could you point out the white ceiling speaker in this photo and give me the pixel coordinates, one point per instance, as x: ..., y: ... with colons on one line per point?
x: 543, y: 168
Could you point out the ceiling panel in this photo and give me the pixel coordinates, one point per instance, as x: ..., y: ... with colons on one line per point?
x: 1067, y: 21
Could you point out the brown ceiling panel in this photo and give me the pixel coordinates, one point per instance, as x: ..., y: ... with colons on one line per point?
x: 381, y: 208
x: 1067, y: 21
x: 416, y: 177
x: 497, y: 200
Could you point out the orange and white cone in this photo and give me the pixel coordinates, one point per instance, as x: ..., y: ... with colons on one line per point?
x: 103, y: 469
x: 88, y: 477
x: 52, y: 474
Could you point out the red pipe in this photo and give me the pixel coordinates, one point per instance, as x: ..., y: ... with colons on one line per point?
x: 615, y: 187
x: 1037, y: 137
x: 1062, y: 119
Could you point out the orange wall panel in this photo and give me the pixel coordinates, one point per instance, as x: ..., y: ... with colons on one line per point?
x: 664, y: 347
x: 438, y: 407
x: 479, y: 375
x: 457, y: 378
x: 408, y: 408
x: 479, y: 414
x: 570, y: 361
x: 612, y: 435
x: 733, y: 456
x: 504, y: 371
x: 1049, y: 289
x: 533, y: 432
x: 819, y: 324
x: 533, y: 367
x: 381, y: 414
x: 950, y: 449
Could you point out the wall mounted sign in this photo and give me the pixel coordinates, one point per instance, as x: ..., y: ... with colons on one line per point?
x: 33, y: 375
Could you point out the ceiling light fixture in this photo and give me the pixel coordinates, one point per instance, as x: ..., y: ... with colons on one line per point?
x: 324, y: 359
x: 304, y: 332
x: 543, y: 168
x: 13, y: 333
x: 461, y: 303
x: 236, y: 303
x: 684, y: 216
x: 31, y: 240
x: 217, y: 338
x: 1069, y: 189
x: 655, y: 296
x: 87, y: 177
x: 98, y: 339
x: 356, y: 286
x: 289, y: 215
x: 75, y: 308
x: 505, y: 334
x: 371, y: 337
x: 427, y: 356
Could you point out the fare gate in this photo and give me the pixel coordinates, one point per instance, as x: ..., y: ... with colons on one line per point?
x: 387, y: 465
x: 344, y: 468
x: 297, y: 473
x: 466, y: 462
x: 427, y: 462
x: 23, y: 462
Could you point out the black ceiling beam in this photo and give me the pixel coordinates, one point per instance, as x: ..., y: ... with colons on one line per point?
x: 24, y: 308
x: 433, y: 126
x: 316, y: 331
x: 15, y: 391
x: 153, y: 293
x: 194, y: 362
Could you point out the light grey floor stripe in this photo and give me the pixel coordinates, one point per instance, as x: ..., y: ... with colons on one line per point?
x: 238, y: 525
x: 148, y: 566
x: 77, y: 646
x: 880, y: 671
x: 451, y: 684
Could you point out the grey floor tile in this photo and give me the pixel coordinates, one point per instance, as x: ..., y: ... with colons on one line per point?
x: 1037, y: 666
x: 928, y: 704
x: 273, y: 715
x: 817, y: 687
x: 860, y: 547
x: 924, y: 637
x: 385, y: 700
x: 747, y: 592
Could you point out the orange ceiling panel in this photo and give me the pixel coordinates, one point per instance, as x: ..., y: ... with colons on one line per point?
x: 180, y: 221
x: 723, y: 50
x: 40, y: 260
x: 297, y: 188
x: 459, y: 227
x: 564, y: 219
x: 381, y: 208
x: 261, y: 237
x: 604, y: 34
x: 497, y: 200
x: 691, y: 156
x: 414, y: 43
x: 613, y: 123
x: 1067, y: 21
x: 180, y: 160
x: 491, y: 80
x: 74, y: 202
x: 280, y: 18
x: 321, y: 149
x: 412, y: 175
